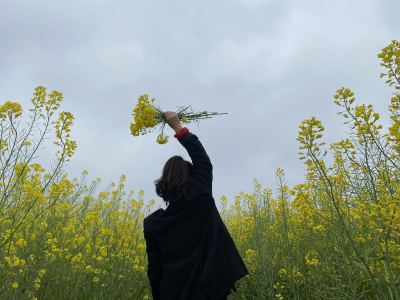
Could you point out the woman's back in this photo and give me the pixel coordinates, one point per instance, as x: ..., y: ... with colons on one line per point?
x: 191, y: 254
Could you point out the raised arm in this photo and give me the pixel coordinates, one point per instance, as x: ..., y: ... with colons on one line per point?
x: 202, y: 167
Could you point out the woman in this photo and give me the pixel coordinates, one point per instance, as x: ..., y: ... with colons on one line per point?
x: 191, y: 255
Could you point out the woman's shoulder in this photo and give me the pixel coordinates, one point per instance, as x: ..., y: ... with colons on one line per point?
x: 156, y: 213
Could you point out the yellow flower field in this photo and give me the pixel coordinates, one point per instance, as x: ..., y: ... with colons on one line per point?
x: 334, y: 236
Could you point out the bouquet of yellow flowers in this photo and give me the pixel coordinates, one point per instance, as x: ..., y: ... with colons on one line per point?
x: 146, y: 117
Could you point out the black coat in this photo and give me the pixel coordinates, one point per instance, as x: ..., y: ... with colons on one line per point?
x: 191, y: 255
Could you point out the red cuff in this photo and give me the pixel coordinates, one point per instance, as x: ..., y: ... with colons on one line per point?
x: 183, y: 131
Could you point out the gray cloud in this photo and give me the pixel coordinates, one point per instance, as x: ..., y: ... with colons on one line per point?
x: 269, y: 64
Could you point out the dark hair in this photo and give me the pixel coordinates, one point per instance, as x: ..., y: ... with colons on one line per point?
x: 174, y: 175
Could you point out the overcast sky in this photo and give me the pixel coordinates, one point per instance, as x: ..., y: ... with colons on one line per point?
x: 268, y: 64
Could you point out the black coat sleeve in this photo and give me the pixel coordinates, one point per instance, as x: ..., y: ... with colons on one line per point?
x: 153, y: 264
x: 202, y: 167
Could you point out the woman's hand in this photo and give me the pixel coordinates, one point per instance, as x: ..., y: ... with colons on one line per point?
x: 172, y: 120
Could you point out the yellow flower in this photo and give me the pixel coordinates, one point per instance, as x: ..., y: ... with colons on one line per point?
x: 318, y: 228
x: 21, y: 242
x: 250, y: 259
x: 311, y: 259
x: 282, y: 272
x: 10, y: 109
x: 145, y: 116
x: 162, y: 139
x: 14, y: 285
x: 42, y: 272
x: 279, y: 296
x: 77, y: 258
x: 15, y: 261
x: 103, y: 251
